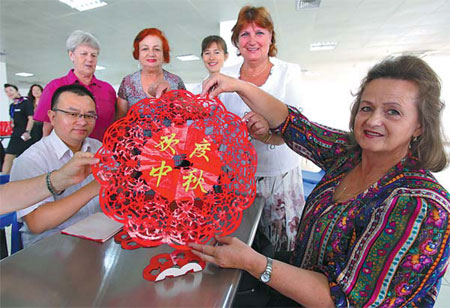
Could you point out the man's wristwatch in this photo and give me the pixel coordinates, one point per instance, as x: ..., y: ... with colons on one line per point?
x: 265, y: 276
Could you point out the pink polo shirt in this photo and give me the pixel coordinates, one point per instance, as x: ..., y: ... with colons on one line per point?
x: 105, y: 98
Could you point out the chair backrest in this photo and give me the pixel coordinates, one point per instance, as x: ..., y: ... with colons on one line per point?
x: 312, y: 177
x: 4, y: 178
x: 310, y: 180
x: 10, y: 219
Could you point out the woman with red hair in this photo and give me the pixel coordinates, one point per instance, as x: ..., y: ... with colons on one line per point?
x: 278, y: 174
x: 152, y: 50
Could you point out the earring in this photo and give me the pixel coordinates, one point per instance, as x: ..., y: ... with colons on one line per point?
x: 413, y: 140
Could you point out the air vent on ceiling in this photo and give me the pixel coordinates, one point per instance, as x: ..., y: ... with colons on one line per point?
x: 322, y: 46
x: 307, y: 4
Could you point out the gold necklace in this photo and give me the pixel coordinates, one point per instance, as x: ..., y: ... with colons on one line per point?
x: 242, y: 72
x: 339, y: 195
x: 342, y: 195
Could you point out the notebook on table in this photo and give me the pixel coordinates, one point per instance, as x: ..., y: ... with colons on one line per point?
x: 97, y: 227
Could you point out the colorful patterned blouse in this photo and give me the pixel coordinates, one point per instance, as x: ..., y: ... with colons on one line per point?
x: 387, y: 247
x: 131, y: 87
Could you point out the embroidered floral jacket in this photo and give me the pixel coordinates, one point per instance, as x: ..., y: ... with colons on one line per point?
x: 387, y: 247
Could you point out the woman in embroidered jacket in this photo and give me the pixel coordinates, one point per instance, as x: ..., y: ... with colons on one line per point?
x: 375, y: 229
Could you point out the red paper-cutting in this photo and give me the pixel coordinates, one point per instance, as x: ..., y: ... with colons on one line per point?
x: 5, y: 128
x: 176, y: 263
x: 176, y: 170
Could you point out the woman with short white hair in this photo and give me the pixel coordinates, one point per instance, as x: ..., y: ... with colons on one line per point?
x: 83, y: 49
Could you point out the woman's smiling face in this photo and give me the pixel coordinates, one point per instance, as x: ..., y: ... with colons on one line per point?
x: 151, y: 52
x: 388, y: 117
x: 254, y: 42
x: 214, y: 57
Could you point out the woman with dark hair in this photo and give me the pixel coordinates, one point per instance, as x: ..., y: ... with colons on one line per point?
x: 21, y: 114
x: 151, y: 49
x: 34, y: 95
x: 375, y: 230
x: 214, y: 54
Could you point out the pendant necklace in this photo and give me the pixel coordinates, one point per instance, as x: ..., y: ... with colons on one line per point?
x: 255, y: 74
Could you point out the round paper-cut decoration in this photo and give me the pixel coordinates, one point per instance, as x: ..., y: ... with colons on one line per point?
x: 175, y: 170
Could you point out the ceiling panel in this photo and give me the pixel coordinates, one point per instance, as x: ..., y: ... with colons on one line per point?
x: 33, y: 32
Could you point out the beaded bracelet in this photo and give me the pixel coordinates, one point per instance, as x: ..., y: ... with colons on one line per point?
x: 50, y: 187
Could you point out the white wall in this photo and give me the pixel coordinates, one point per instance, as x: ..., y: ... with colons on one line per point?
x: 328, y: 98
x: 4, y: 103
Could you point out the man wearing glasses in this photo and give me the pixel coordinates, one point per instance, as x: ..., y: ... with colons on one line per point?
x: 73, y: 114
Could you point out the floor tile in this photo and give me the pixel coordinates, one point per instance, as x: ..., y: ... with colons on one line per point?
x: 443, y: 300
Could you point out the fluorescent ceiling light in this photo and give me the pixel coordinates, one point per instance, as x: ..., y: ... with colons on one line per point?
x: 23, y: 74
x: 188, y: 58
x: 307, y: 4
x: 84, y: 5
x: 312, y: 74
x: 322, y: 46
x: 99, y: 68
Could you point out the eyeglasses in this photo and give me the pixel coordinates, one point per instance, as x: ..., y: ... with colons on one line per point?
x: 77, y: 115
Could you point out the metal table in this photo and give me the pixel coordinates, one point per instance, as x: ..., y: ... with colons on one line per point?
x: 65, y: 271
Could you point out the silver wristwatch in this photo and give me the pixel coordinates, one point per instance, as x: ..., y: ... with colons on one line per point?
x: 265, y: 276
